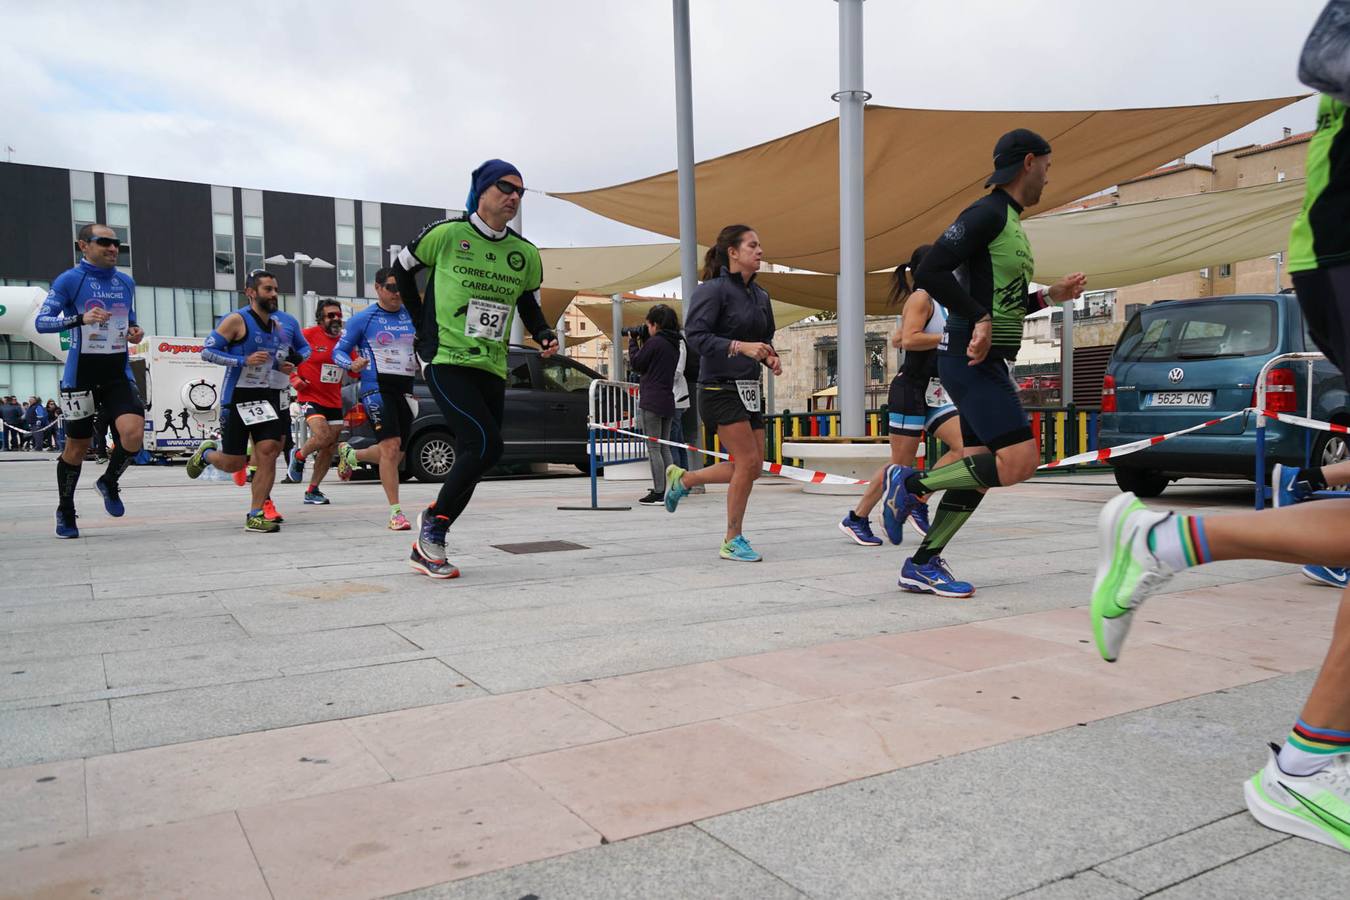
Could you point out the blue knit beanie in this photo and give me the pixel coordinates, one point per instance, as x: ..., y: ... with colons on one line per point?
x: 486, y: 175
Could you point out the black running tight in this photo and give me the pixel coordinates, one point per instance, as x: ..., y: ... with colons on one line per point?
x: 472, y: 402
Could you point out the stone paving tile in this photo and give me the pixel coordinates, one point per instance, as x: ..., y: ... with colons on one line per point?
x: 968, y: 647
x: 206, y: 858
x: 647, y: 701
x: 1305, y: 867
x: 1084, y: 886
x: 1191, y: 853
x: 194, y: 713
x: 662, y: 779
x: 678, y: 864
x: 1277, y: 647
x: 51, y: 677
x: 379, y: 840
x: 107, y: 637
x: 48, y: 593
x: 35, y: 616
x: 42, y: 804
x: 44, y: 734
x: 445, y: 737
x: 841, y: 667
x: 187, y: 781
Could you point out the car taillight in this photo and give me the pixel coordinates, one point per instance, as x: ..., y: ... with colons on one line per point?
x: 1281, y: 395
x: 1109, y: 394
x: 355, y: 417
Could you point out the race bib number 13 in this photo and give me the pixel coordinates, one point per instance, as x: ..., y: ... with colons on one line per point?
x: 486, y: 319
x: 255, y: 412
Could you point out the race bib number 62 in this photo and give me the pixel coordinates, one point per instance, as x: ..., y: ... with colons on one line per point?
x: 486, y: 319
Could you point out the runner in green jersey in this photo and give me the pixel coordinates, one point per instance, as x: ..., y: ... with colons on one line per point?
x: 482, y: 274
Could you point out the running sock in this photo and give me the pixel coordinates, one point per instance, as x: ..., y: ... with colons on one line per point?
x: 1309, y: 750
x: 979, y: 471
x: 255, y: 512
x: 956, y: 507
x: 299, y: 454
x: 118, y: 460
x: 394, y: 509
x: 1179, y: 541
x: 1316, y: 481
x: 67, y: 476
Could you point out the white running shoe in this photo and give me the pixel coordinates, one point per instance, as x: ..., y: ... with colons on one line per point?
x: 1316, y: 807
x: 1127, y: 571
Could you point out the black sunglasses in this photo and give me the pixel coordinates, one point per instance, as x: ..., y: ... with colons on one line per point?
x: 390, y: 286
x: 107, y: 242
x: 332, y: 315
x: 508, y: 188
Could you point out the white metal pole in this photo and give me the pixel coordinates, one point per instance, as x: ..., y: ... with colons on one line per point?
x: 684, y: 142
x: 1066, y: 356
x: 299, y: 285
x: 616, y: 349
x: 852, y: 266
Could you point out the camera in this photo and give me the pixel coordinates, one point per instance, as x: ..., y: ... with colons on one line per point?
x: 637, y: 331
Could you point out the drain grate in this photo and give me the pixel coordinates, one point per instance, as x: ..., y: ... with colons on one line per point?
x: 540, y: 547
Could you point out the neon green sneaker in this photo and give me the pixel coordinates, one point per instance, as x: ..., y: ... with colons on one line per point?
x: 1127, y: 571
x: 1316, y: 807
x: 675, y: 489
x: 739, y: 550
x: 347, y: 461
x: 195, y: 464
x: 261, y: 524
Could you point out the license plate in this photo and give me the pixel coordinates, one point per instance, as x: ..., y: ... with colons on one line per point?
x: 1200, y: 399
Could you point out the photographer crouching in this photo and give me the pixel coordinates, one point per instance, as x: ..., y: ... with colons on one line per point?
x: 653, y: 353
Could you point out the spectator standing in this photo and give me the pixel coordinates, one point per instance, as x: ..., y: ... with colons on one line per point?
x: 57, y: 432
x: 654, y: 353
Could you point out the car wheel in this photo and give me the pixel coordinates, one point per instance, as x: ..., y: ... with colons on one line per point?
x: 1330, y: 449
x: 1142, y: 482
x: 431, y: 456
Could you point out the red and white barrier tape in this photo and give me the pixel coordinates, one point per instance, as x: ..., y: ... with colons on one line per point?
x: 1316, y: 424
x: 1135, y: 446
x: 49, y: 425
x: 792, y: 472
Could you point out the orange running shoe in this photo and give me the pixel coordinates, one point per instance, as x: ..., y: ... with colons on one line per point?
x: 270, y: 512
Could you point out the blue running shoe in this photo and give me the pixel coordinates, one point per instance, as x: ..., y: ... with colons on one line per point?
x: 431, y: 530
x: 65, y: 524
x: 739, y: 550
x: 933, y: 578
x: 315, y: 497
x: 896, y: 503
x: 1328, y: 575
x: 860, y: 530
x: 112, y: 497
x: 1285, y: 488
x: 918, y: 517
x: 675, y: 489
x: 296, y: 470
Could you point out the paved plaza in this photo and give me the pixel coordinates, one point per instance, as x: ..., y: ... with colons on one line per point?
x: 190, y: 710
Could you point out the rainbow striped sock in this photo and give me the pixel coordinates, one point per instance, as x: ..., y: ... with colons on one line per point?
x: 1309, y: 749
x: 1179, y: 541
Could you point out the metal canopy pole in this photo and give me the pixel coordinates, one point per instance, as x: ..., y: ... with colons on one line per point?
x: 852, y: 266
x: 1066, y: 355
x: 684, y: 142
x: 616, y: 348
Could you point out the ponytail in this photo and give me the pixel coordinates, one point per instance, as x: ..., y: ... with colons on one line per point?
x: 902, y: 283
x: 716, y: 259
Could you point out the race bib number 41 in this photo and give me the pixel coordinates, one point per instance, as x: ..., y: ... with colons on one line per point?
x: 330, y: 374
x: 935, y: 395
x: 486, y: 319
x: 749, y: 391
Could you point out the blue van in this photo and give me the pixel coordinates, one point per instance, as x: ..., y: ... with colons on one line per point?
x: 1182, y: 362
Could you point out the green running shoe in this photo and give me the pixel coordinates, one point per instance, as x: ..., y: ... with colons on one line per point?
x: 195, y: 464
x: 261, y: 524
x: 675, y: 489
x: 1316, y: 807
x: 1127, y: 571
x: 737, y: 549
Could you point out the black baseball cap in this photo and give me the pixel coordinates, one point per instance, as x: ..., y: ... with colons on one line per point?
x: 1011, y: 149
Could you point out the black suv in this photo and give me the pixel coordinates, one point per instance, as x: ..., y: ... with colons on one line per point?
x: 546, y: 410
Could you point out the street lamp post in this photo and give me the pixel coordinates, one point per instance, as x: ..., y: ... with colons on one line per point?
x: 301, y: 261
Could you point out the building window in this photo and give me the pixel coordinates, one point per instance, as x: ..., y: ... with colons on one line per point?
x: 253, y: 243
x: 224, y: 237
x: 346, y: 254
x: 371, y: 254
x: 1226, y: 270
x: 119, y: 220
x: 82, y: 213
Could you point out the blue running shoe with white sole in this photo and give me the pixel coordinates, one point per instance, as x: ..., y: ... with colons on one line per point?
x: 918, y: 517
x: 1328, y: 575
x: 932, y: 578
x: 859, y: 530
x: 675, y: 489
x: 296, y: 469
x: 1285, y: 488
x: 896, y: 503
x: 738, y: 549
x: 112, y: 497
x: 1127, y: 570
x: 65, y: 523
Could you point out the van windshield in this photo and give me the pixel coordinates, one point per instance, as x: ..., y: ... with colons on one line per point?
x: 1199, y: 330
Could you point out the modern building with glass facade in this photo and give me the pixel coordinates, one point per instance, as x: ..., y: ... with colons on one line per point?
x: 189, y: 247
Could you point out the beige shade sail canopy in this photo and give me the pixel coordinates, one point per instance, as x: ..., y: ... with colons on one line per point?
x: 603, y: 270
x: 921, y: 168
x: 1114, y: 245
x: 600, y: 311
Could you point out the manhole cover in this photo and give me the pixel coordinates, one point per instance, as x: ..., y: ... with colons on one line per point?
x: 540, y: 547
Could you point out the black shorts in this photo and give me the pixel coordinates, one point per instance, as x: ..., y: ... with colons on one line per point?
x: 390, y: 415
x: 235, y: 435
x: 332, y: 414
x: 720, y: 404
x: 1324, y: 295
x: 991, y: 412
x: 110, y: 400
x: 907, y: 409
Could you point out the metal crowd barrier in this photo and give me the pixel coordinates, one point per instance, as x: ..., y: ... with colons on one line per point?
x: 1262, y: 486
x: 612, y: 404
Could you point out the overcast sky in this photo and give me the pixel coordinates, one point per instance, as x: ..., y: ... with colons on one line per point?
x: 398, y: 101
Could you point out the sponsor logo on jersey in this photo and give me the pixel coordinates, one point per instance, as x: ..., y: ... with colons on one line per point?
x: 516, y: 260
x: 464, y: 245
